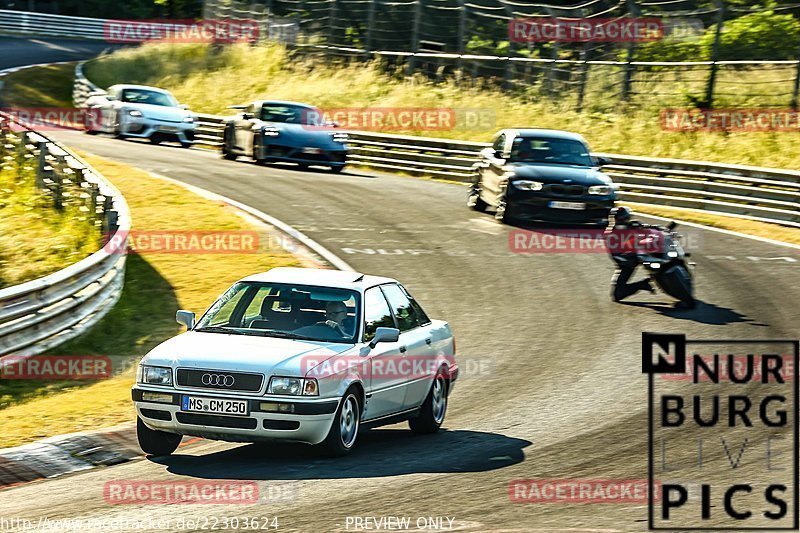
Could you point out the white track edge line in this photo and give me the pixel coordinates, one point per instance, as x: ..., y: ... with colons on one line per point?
x: 304, y: 239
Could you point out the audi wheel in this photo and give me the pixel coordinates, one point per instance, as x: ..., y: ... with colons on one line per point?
x: 156, y: 443
x: 431, y: 414
x: 344, y: 431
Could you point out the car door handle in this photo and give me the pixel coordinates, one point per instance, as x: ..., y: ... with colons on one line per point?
x: 428, y: 341
x: 402, y: 349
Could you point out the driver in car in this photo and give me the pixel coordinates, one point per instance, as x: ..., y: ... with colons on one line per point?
x: 335, y: 314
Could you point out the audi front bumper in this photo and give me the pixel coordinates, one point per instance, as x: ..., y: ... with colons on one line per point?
x: 290, y: 420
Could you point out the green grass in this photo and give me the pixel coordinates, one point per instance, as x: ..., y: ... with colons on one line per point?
x: 209, y: 80
x: 48, y: 86
x: 35, y: 238
x: 156, y: 285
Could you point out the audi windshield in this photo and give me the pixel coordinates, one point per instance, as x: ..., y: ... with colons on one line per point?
x: 303, y: 312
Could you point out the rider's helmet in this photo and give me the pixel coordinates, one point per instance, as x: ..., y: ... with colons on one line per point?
x: 621, y: 214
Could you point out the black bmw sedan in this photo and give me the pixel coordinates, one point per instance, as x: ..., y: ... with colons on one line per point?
x: 542, y: 175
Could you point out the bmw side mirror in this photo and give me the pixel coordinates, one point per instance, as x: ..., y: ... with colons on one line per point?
x: 385, y: 335
x: 186, y: 318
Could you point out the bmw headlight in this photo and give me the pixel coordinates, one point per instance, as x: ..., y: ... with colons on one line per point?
x: 528, y: 185
x: 135, y: 113
x: 154, y: 375
x: 293, y: 386
x: 601, y: 190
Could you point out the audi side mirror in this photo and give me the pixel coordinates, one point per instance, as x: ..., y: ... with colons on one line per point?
x: 385, y: 335
x: 185, y: 317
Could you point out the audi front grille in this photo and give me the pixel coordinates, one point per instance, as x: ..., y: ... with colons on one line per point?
x: 220, y: 380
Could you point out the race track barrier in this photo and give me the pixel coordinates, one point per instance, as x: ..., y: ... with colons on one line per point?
x: 754, y: 193
x: 40, y: 314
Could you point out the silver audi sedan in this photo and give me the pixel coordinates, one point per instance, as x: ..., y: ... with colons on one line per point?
x: 298, y: 354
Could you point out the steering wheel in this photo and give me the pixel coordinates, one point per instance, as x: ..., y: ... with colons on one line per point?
x: 333, y: 325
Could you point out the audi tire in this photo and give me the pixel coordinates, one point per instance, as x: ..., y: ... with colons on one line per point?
x: 156, y: 443
x: 344, y: 431
x: 434, y: 408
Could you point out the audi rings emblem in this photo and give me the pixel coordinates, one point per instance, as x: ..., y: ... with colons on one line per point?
x: 217, y: 380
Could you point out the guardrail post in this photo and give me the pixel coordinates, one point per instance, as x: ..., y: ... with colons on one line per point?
x: 462, y: 37
x: 712, y: 76
x: 58, y: 190
x: 370, y: 24
x: 332, y: 22
x: 796, y: 91
x: 414, y: 37
x: 21, y: 149
x: 584, y: 77
x: 41, y: 164
x: 629, y: 68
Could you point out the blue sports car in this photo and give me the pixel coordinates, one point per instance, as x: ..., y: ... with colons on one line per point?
x: 275, y: 131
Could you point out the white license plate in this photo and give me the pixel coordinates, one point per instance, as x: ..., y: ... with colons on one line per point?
x: 168, y: 129
x: 214, y: 405
x: 312, y: 150
x: 578, y: 206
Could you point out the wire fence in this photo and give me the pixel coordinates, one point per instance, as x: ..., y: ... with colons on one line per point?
x: 702, y: 56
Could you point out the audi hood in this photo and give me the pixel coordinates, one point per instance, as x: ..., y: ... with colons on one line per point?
x: 242, y: 353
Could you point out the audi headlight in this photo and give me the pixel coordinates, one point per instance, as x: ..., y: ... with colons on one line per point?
x: 601, y: 190
x: 154, y: 375
x: 293, y: 386
x: 528, y: 185
x: 188, y: 119
x: 135, y: 113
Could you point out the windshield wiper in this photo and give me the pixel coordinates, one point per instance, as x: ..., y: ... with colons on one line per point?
x: 219, y: 329
x: 281, y: 334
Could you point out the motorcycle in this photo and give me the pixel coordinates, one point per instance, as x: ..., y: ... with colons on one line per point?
x: 669, y: 268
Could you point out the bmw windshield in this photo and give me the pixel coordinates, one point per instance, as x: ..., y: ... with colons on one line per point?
x: 282, y: 310
x: 550, y: 151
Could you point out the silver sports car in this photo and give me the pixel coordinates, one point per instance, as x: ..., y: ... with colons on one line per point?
x: 139, y: 111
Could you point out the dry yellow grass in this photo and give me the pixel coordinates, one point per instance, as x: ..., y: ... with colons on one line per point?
x: 156, y: 285
x: 209, y: 81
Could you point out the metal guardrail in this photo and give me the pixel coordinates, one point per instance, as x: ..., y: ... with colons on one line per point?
x: 755, y: 193
x: 42, y: 313
x: 31, y: 23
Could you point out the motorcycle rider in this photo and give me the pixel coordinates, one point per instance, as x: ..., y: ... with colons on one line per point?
x: 624, y: 252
